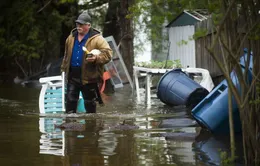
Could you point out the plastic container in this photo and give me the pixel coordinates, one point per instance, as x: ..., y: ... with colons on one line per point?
x: 176, y: 88
x: 81, y: 106
x: 244, y: 59
x: 212, y: 111
x: 242, y: 62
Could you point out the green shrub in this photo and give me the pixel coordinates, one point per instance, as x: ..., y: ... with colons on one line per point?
x: 169, y: 64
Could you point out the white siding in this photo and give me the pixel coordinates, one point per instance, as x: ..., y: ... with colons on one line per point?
x: 184, y: 52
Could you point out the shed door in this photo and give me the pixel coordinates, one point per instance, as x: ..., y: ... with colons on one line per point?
x: 182, y: 45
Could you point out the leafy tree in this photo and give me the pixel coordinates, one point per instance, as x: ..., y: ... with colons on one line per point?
x: 19, y: 39
x: 30, y: 35
x: 33, y: 33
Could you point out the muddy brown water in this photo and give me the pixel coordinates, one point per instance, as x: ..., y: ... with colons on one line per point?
x: 123, y: 132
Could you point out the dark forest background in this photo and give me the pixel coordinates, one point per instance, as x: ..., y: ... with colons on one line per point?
x: 33, y: 32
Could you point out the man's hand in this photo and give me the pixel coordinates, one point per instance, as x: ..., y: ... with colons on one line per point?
x: 95, y: 52
x: 92, y: 56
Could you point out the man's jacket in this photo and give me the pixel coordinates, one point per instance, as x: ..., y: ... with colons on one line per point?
x: 90, y: 71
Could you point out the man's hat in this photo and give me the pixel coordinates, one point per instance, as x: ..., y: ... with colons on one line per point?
x: 84, y: 18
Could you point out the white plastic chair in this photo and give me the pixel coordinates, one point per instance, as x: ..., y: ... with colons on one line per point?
x: 52, y: 95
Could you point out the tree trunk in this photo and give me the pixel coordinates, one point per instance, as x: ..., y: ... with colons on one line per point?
x: 121, y: 28
x: 126, y: 41
x: 112, y: 26
x: 251, y: 136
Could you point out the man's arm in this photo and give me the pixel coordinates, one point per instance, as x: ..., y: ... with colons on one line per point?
x: 62, y: 68
x: 105, y: 55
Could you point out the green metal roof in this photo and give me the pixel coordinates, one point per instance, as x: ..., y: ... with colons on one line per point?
x: 187, y: 18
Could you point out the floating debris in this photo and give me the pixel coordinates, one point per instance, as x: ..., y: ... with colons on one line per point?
x: 124, y: 126
x: 71, y: 126
x: 181, y: 136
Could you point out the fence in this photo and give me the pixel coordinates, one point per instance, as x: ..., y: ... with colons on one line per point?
x: 203, y: 57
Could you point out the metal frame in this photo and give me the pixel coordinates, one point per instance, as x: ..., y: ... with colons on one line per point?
x: 111, y: 39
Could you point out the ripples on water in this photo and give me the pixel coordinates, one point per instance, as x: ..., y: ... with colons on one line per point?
x: 152, y: 134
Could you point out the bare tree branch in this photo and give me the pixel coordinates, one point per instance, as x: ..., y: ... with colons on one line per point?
x: 20, y: 66
x: 44, y: 6
x: 221, y: 25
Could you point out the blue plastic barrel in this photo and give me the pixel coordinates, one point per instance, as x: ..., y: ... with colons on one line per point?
x: 244, y: 59
x: 212, y: 111
x: 176, y: 88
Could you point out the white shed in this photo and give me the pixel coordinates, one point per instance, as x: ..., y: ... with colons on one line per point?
x: 181, y: 31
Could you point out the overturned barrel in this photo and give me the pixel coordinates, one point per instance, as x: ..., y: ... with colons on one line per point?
x: 212, y: 112
x: 176, y: 88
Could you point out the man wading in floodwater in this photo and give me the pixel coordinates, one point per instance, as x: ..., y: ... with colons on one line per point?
x: 84, y: 69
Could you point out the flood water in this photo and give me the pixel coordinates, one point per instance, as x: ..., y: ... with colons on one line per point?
x: 123, y: 132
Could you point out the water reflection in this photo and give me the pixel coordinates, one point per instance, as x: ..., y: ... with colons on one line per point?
x: 154, y: 146
x: 52, y: 140
x: 209, y: 150
x: 164, y: 135
x: 100, y: 141
x: 92, y: 142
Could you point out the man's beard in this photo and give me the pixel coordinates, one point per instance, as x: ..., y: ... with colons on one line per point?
x: 80, y: 29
